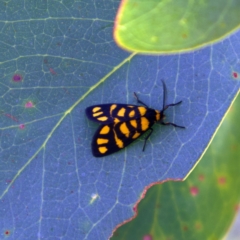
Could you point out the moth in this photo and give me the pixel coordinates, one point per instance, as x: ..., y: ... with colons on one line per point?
x: 121, y: 124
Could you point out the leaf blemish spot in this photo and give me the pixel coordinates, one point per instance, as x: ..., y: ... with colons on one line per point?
x: 28, y: 104
x: 52, y: 71
x: 185, y: 228
x: 147, y: 237
x: 222, y: 180
x: 7, y: 233
x: 237, y: 207
x: 194, y: 191
x: 11, y: 117
x: 21, y: 126
x: 201, y: 177
x: 198, y: 226
x: 235, y: 74
x: 17, y: 78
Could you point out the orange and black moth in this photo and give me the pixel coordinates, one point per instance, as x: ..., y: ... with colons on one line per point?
x: 121, y: 124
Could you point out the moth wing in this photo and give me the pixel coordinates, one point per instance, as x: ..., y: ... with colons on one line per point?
x: 110, y: 138
x: 114, y: 112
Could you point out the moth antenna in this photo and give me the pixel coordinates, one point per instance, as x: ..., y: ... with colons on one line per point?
x: 164, y: 94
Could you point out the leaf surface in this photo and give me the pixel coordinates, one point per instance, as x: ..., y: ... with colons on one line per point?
x: 201, y: 207
x: 172, y: 26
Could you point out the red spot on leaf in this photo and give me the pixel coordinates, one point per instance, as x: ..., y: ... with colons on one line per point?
x: 28, y: 104
x: 221, y: 180
x: 8, y: 180
x: 52, y: 71
x: 135, y: 209
x: 237, y: 207
x: 185, y: 228
x: 198, y: 226
x: 11, y: 117
x: 147, y: 237
x: 21, y: 126
x: 194, y: 191
x: 201, y: 177
x: 235, y: 74
x: 7, y: 232
x: 17, y: 78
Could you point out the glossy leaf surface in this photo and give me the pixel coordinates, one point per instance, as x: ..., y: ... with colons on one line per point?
x: 172, y: 26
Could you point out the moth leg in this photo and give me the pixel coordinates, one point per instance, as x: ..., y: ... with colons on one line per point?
x: 172, y: 104
x: 151, y: 130
x: 139, y: 101
x: 173, y: 124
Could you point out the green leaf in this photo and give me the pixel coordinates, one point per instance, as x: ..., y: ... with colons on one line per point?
x: 205, y: 204
x: 172, y: 26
